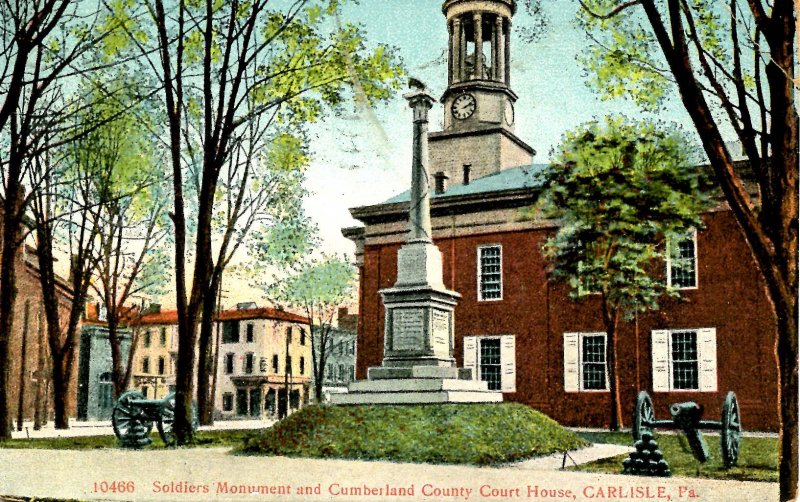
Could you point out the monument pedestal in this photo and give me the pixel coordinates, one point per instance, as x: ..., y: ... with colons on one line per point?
x: 418, y: 364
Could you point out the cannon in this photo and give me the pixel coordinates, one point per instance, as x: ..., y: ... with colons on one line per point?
x: 134, y: 415
x: 688, y: 418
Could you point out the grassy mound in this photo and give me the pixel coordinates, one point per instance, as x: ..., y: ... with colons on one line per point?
x: 482, y: 434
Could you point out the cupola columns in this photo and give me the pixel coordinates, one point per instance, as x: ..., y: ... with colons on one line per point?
x: 475, y: 29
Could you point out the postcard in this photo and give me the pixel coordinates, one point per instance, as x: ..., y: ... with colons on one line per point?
x: 378, y: 250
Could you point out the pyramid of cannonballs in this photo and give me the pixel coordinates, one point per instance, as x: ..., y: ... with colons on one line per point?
x: 647, y: 460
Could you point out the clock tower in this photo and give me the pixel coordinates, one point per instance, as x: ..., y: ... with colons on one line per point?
x: 479, y: 116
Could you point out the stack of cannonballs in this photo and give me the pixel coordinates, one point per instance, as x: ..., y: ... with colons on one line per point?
x: 137, y: 436
x: 647, y: 460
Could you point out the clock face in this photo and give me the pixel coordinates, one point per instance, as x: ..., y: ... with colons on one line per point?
x: 463, y: 106
x: 508, y: 113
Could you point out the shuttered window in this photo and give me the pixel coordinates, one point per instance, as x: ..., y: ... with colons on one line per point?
x: 490, y: 273
x: 585, y: 366
x: 493, y: 360
x: 684, y: 360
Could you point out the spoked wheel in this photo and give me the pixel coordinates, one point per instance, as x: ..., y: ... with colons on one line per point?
x: 643, y: 416
x: 126, y: 415
x: 166, y: 420
x: 731, y: 434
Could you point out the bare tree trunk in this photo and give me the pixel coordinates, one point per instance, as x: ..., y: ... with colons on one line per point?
x: 60, y: 390
x: 22, y: 365
x: 8, y: 288
x: 611, y: 321
x: 205, y: 369
x: 40, y: 372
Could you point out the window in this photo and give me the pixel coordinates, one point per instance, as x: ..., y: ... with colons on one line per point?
x: 585, y: 362
x: 146, y: 340
x: 302, y: 336
x: 249, y: 333
x: 493, y: 360
x: 230, y: 332
x: 289, y: 364
x: 228, y: 363
x: 490, y: 273
x: 248, y: 363
x: 302, y: 365
x: 329, y: 376
x: 685, y: 359
x: 340, y: 374
x: 161, y: 365
x: 145, y: 365
x: 351, y: 373
x: 145, y: 389
x: 162, y: 336
x: 682, y: 262
x: 289, y: 334
x: 489, y: 362
x: 227, y: 401
x: 274, y: 363
x: 104, y: 389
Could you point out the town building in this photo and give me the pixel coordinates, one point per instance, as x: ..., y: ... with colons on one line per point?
x: 264, y: 364
x: 517, y: 329
x: 95, y: 380
x: 156, y: 352
x: 340, y: 361
x: 30, y: 389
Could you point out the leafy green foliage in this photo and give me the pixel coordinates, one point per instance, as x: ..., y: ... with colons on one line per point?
x: 449, y: 434
x: 758, y: 457
x: 618, y: 191
x: 318, y: 284
x: 624, y: 59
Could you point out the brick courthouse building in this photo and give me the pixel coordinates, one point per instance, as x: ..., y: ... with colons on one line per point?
x: 520, y: 330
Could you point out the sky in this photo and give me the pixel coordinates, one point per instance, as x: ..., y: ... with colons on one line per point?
x: 353, y: 166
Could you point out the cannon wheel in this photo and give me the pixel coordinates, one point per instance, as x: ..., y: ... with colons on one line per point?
x: 642, y: 412
x: 731, y: 434
x: 124, y: 414
x: 167, y: 417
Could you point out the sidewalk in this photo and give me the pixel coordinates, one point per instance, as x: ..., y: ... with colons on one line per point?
x: 213, y: 474
x: 103, y: 428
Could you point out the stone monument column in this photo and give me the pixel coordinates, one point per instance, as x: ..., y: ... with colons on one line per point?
x: 418, y: 363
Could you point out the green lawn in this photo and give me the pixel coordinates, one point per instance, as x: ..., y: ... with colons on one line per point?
x: 202, y: 439
x: 758, y: 457
x: 481, y: 434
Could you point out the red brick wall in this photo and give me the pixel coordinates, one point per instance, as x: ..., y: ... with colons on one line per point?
x: 730, y: 298
x: 29, y: 289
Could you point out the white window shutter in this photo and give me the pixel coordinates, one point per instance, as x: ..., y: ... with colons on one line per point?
x: 571, y: 362
x: 707, y: 359
x: 508, y: 377
x: 471, y: 355
x: 660, y: 351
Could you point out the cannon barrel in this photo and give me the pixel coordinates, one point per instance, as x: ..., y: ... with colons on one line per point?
x: 687, y: 416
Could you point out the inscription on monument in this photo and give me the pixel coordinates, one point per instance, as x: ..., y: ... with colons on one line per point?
x: 408, y: 329
x: 440, y: 330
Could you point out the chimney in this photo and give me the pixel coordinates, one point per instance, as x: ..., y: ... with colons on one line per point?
x: 467, y: 169
x: 154, y: 308
x: 440, y: 182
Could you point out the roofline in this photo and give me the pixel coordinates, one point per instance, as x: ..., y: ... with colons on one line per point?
x: 454, y: 204
x: 437, y: 136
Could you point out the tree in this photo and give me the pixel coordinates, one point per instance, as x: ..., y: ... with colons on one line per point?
x: 733, y: 64
x: 221, y: 66
x: 130, y: 258
x: 317, y: 288
x: 617, y: 192
x: 35, y: 53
